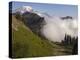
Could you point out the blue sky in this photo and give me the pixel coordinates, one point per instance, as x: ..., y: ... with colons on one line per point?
x: 53, y: 9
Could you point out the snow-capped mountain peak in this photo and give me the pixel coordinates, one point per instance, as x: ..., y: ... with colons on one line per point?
x: 24, y: 9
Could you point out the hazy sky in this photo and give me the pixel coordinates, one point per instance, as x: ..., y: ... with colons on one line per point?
x: 53, y: 9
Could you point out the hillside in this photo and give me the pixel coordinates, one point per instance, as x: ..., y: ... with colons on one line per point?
x: 27, y: 44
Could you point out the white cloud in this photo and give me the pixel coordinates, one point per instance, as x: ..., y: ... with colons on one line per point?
x: 55, y: 28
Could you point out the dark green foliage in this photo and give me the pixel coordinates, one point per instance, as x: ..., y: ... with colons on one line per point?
x: 71, y: 42
x: 75, y: 47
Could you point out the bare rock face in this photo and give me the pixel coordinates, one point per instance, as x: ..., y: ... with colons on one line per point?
x: 33, y: 21
x: 67, y: 17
